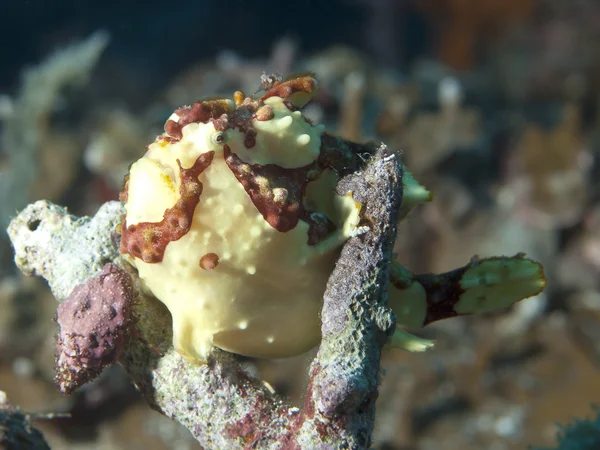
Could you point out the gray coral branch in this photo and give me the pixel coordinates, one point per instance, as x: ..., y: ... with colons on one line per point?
x: 27, y: 125
x: 218, y: 402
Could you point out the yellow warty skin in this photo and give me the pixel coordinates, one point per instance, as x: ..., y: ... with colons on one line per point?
x: 264, y: 297
x: 233, y: 222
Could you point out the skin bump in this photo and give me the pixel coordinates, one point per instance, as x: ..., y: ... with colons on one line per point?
x: 210, y: 261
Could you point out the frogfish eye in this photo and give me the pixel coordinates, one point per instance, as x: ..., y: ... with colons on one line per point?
x: 218, y: 138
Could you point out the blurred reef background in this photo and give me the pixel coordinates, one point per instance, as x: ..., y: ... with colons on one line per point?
x: 494, y: 105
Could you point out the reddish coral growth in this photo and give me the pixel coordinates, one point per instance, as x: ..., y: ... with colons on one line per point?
x: 251, y: 427
x: 148, y: 240
x: 209, y: 261
x: 200, y: 112
x: 247, y: 429
x: 286, y: 89
x: 284, y: 211
x: 94, y: 322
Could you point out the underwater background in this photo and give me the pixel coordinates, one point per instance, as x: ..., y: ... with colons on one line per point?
x: 492, y: 104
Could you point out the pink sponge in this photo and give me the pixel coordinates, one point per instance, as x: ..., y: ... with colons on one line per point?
x: 94, y: 321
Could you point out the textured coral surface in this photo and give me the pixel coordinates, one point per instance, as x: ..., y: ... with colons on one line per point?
x: 218, y: 402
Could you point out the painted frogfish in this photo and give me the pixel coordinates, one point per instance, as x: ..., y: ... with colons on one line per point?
x: 234, y: 222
